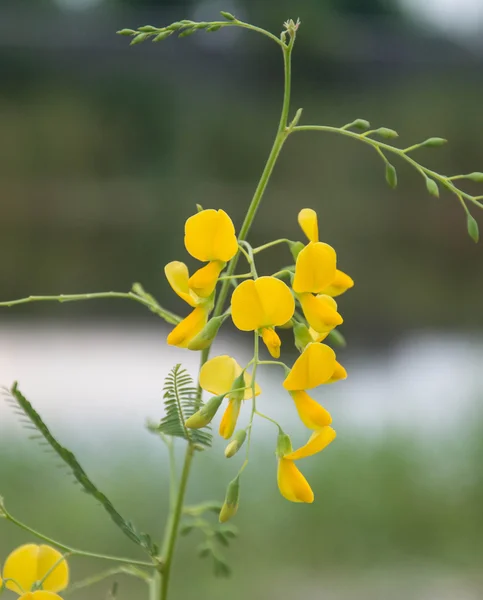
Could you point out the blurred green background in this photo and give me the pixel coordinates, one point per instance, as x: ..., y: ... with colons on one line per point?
x: 107, y: 149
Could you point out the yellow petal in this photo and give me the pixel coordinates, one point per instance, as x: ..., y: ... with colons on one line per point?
x: 309, y: 224
x: 264, y: 302
x: 178, y: 277
x: 341, y: 284
x: 30, y: 563
x: 204, y: 281
x: 189, y: 328
x: 229, y: 419
x: 320, y: 312
x: 318, y: 337
x: 310, y: 412
x: 40, y: 595
x: 210, y: 235
x: 292, y: 484
x: 218, y: 375
x: 313, y: 367
x: 319, y: 440
x: 338, y: 374
x: 271, y: 341
x: 315, y: 268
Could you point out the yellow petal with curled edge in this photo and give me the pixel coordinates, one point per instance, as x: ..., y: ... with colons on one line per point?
x: 320, y: 312
x: 218, y: 375
x: 271, y: 341
x: 340, y: 284
x: 315, y: 268
x: 312, y: 368
x: 230, y: 418
x: 177, y: 275
x: 319, y: 440
x: 310, y: 412
x: 210, y: 235
x: 40, y: 595
x: 204, y: 281
x: 30, y: 563
x: 318, y: 337
x: 189, y: 328
x: 308, y: 222
x: 338, y: 374
x: 264, y: 302
x: 292, y: 484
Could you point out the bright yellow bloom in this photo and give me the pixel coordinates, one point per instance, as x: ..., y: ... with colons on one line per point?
x: 189, y: 328
x: 40, y: 595
x: 341, y: 284
x: 30, y: 563
x: 210, y: 236
x: 314, y: 367
x: 320, y: 312
x: 312, y: 415
x: 315, y: 268
x: 217, y: 376
x: 260, y: 305
x: 195, y: 289
x: 309, y: 223
x: 292, y: 484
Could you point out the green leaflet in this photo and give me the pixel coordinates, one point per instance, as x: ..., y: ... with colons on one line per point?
x: 19, y: 401
x: 180, y: 402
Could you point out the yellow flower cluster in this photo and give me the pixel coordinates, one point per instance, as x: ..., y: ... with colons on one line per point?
x: 35, y: 573
x: 261, y: 304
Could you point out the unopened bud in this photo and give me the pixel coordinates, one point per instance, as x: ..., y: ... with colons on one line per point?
x: 476, y: 176
x: 206, y: 413
x: 237, y: 391
x: 138, y: 39
x: 148, y: 29
x: 207, y: 334
x: 302, y: 336
x: 361, y: 124
x: 162, y: 36
x: 126, y: 32
x: 296, y: 248
x: 284, y: 444
x: 384, y: 132
x: 228, y: 16
x: 434, y: 142
x: 236, y: 443
x: 230, y: 506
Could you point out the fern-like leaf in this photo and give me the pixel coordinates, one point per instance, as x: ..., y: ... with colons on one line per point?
x: 32, y: 420
x: 180, y: 402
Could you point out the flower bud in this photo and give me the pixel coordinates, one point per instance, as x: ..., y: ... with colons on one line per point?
x: 473, y: 228
x: 207, y: 334
x: 206, y: 413
x: 239, y: 385
x: 230, y: 506
x: 236, y: 443
x: 284, y: 444
x: 302, y: 336
x: 296, y: 248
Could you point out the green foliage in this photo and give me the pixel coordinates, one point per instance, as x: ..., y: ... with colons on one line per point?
x: 181, y: 402
x: 32, y: 420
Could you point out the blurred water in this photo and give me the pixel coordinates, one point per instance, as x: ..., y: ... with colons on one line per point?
x: 111, y: 376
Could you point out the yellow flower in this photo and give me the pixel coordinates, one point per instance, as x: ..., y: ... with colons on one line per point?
x: 341, y: 284
x: 40, y: 595
x: 320, y: 312
x: 210, y: 236
x: 292, y: 484
x: 189, y: 328
x: 315, y: 268
x: 260, y: 305
x: 29, y: 564
x: 217, y: 376
x: 195, y: 289
x: 309, y: 223
x: 312, y: 415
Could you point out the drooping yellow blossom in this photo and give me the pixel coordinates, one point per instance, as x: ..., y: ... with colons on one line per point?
x: 189, y: 328
x: 331, y: 317
x: 195, y: 289
x: 292, y: 484
x: 261, y: 305
x: 217, y: 376
x: 40, y: 595
x: 210, y: 236
x: 312, y: 415
x: 29, y: 564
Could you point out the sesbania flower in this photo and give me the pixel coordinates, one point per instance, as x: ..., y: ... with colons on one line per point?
x: 209, y: 237
x: 30, y: 564
x: 218, y: 376
x: 316, y: 273
x: 317, y: 365
x: 292, y: 484
x: 261, y: 305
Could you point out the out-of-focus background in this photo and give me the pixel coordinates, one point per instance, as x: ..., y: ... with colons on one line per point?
x: 105, y: 151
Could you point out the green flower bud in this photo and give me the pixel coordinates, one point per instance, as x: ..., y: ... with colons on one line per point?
x: 126, y: 32
x: 478, y: 177
x: 228, y: 16
x: 236, y: 443
x: 162, y: 36
x: 302, y: 336
x: 142, y: 37
x: 296, y: 248
x: 148, y: 29
x: 391, y: 175
x: 207, y: 334
x: 230, y: 506
x: 206, y: 413
x: 434, y: 142
x: 284, y: 444
x: 361, y: 124
x: 388, y: 134
x: 432, y: 187
x: 239, y: 384
x: 473, y: 228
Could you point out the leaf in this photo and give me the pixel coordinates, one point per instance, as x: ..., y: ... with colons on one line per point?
x: 181, y: 402
x: 473, y: 229
x: 31, y: 417
x: 391, y: 175
x: 432, y: 187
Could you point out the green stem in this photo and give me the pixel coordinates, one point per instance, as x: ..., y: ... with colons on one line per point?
x: 165, y: 314
x: 402, y: 153
x: 270, y: 244
x: 84, y: 583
